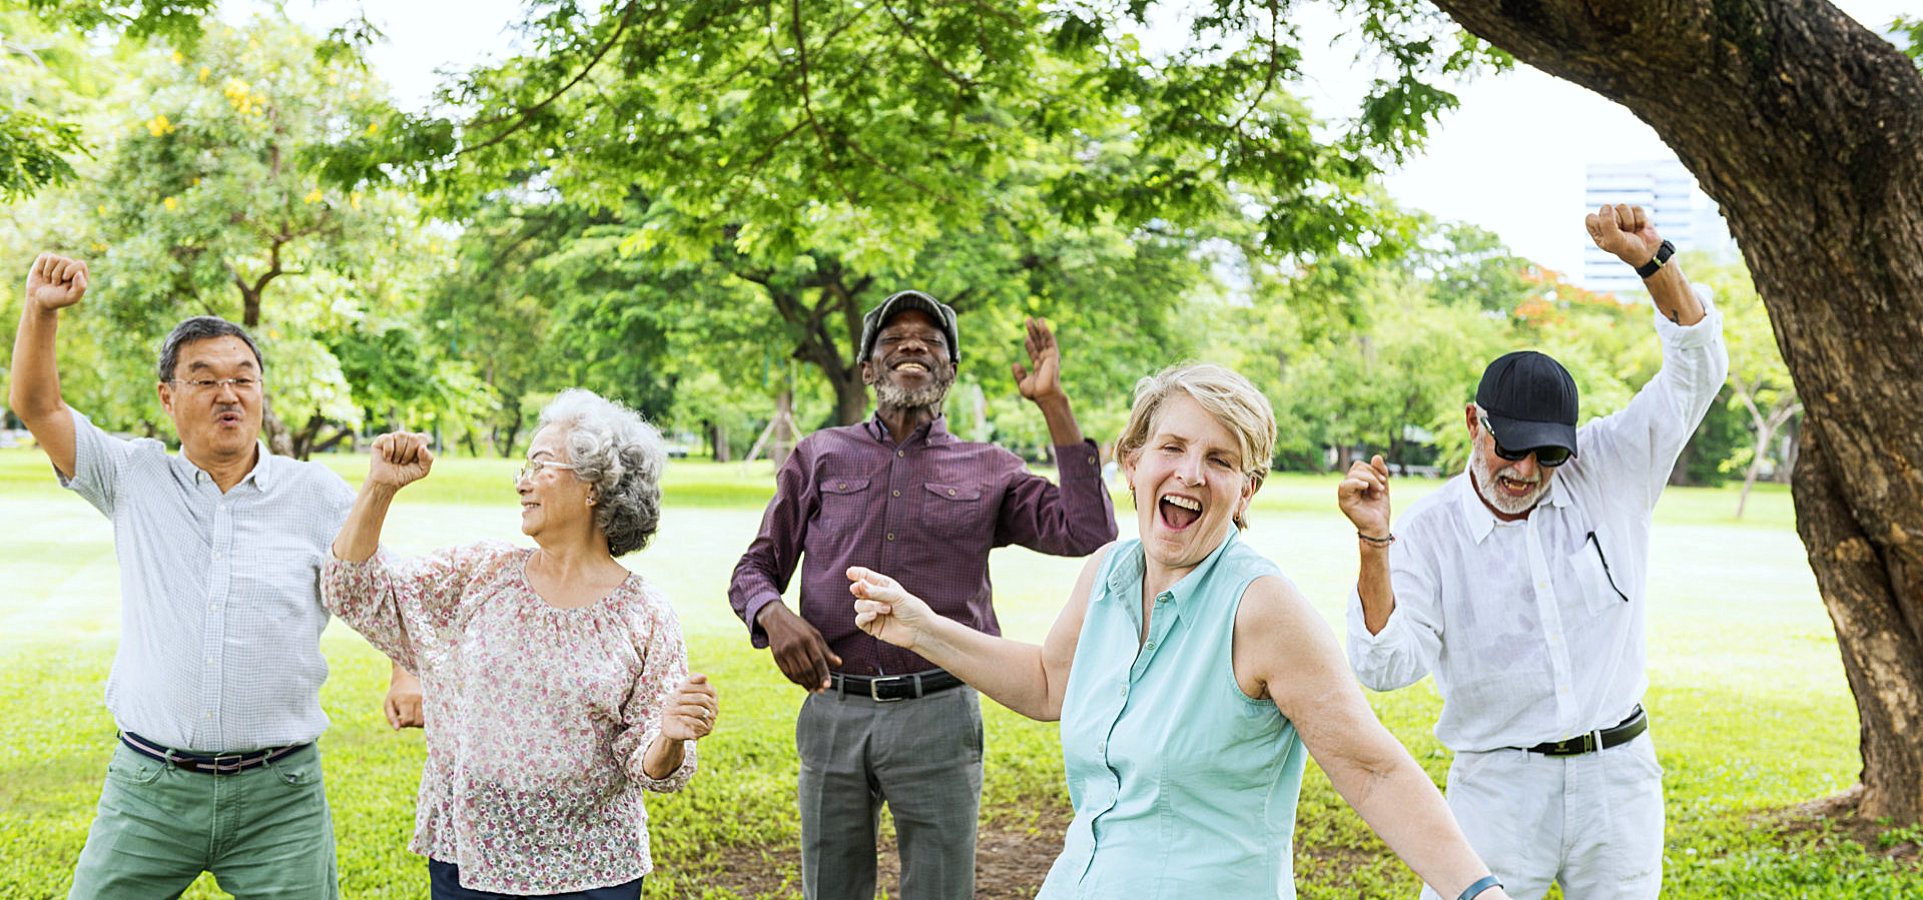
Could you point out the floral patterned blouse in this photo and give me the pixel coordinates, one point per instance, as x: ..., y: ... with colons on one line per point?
x: 537, y: 717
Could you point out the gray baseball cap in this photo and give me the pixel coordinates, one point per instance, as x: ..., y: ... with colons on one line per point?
x: 902, y: 302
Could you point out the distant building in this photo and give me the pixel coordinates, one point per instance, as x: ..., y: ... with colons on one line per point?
x: 1684, y: 215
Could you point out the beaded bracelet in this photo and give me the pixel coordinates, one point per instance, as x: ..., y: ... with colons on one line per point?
x: 1377, y: 541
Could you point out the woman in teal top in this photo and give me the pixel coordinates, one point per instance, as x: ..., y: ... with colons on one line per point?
x: 1190, y: 677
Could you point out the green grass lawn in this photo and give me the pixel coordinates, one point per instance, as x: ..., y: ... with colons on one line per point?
x: 1748, y: 697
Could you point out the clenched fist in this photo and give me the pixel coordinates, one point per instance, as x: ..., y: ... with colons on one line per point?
x: 55, y: 281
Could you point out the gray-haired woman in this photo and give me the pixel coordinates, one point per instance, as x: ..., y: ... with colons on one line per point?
x: 556, y: 681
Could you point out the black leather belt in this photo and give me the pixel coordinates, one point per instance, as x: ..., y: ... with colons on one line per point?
x: 888, y: 688
x: 223, y: 764
x: 1602, y: 739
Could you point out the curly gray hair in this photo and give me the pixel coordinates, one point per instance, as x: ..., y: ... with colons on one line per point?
x: 620, y: 457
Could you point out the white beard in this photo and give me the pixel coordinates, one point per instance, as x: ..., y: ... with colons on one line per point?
x: 1505, y: 503
x: 931, y: 395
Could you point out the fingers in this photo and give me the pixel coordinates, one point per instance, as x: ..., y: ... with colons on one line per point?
x: 393, y: 711
x: 1381, y: 468
x: 404, y: 448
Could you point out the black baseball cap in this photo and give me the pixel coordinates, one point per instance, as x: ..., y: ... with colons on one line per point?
x: 1530, y: 401
x: 902, y: 302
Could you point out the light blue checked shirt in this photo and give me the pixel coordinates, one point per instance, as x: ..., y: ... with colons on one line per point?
x: 219, y: 593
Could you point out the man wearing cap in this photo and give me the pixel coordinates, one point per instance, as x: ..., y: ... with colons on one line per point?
x: 1520, y: 585
x: 899, y: 494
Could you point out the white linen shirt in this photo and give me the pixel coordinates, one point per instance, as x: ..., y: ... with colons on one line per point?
x: 1534, y: 629
x: 221, y: 613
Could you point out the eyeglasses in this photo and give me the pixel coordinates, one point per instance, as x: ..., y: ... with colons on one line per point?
x: 533, y: 467
x: 209, y: 385
x: 1548, y: 457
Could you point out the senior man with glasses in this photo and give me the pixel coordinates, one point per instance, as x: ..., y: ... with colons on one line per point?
x: 215, y: 687
x: 1520, y: 585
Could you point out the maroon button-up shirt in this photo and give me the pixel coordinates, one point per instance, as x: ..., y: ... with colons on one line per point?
x: 925, y: 513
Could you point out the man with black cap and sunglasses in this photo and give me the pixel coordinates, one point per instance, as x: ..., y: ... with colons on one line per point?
x: 1520, y: 585
x: 899, y: 494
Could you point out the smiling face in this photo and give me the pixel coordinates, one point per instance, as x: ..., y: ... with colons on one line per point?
x: 221, y: 422
x: 1189, y: 483
x: 553, y: 501
x: 1510, y: 488
x: 909, y: 367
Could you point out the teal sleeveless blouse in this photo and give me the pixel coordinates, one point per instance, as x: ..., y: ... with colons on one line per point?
x: 1183, y: 786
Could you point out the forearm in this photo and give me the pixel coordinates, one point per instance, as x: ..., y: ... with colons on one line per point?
x: 1672, y: 296
x: 1063, y: 430
x: 1395, y: 797
x: 34, y: 392
x: 663, y: 757
x: 1373, y: 585
x: 360, y: 535
x: 1008, y: 672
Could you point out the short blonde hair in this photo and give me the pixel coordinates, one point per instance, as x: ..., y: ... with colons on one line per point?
x: 1224, y: 394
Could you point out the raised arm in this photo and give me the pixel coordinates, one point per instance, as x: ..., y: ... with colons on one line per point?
x: 1028, y: 679
x: 1629, y: 234
x: 53, y: 283
x: 1283, y: 650
x: 399, y: 459
x: 1041, y: 382
x: 1364, y: 498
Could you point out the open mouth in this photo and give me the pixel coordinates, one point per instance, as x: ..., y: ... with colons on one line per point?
x: 912, y: 367
x: 1178, y: 513
x: 228, y: 417
x: 1514, y: 487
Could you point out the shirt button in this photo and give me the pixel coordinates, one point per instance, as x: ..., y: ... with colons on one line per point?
x: 1101, y: 747
x: 951, y: 492
x: 841, y: 485
x: 1149, y: 646
x: 891, y: 535
x: 212, y: 606
x: 1091, y: 460
x: 207, y: 715
x: 901, y: 453
x: 216, y: 554
x: 210, y: 660
x: 895, y: 493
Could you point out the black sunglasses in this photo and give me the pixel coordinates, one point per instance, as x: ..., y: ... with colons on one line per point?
x: 1548, y: 457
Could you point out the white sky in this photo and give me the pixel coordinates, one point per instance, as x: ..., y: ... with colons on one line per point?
x: 1511, y: 158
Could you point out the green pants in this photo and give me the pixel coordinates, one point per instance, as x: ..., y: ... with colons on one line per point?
x: 264, y: 833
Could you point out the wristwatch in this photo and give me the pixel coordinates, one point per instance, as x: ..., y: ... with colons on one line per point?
x: 1655, y: 264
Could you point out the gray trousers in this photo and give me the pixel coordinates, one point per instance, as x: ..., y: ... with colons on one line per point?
x: 923, y: 757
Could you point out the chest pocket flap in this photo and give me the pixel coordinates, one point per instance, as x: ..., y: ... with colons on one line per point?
x: 843, y: 484
x: 954, y: 510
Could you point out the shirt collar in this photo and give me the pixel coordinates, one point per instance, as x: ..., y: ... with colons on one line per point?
x: 935, y: 432
x: 1481, y: 520
x: 1133, y: 568
x: 261, y: 474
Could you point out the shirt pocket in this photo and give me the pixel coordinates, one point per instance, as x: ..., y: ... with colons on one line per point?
x: 955, y: 511
x: 1592, y: 580
x: 843, y: 497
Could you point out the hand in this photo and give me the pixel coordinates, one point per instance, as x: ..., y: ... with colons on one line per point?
x: 689, y: 713
x: 400, y: 459
x: 55, y: 281
x: 403, y: 704
x: 1624, y: 231
x: 799, y: 649
x: 886, y: 610
x: 1363, y: 496
x: 1041, y: 379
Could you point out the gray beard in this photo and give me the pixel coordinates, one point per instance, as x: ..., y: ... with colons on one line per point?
x: 887, y: 393
x: 1485, y: 480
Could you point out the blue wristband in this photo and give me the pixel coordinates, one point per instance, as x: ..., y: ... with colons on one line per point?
x: 1481, y: 884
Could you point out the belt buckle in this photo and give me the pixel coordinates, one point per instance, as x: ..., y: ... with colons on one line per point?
x: 874, y: 688
x: 1592, y: 742
x: 222, y: 767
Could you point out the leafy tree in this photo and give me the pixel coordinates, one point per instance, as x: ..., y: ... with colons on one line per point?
x: 1759, y: 383
x: 211, y: 202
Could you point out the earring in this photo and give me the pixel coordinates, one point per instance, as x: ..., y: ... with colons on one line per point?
x: 592, y: 499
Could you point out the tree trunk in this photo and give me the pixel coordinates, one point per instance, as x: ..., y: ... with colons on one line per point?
x: 718, y: 439
x: 1807, y: 129
x: 851, y: 398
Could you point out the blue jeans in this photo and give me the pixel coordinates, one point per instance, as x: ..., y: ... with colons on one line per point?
x: 444, y: 881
